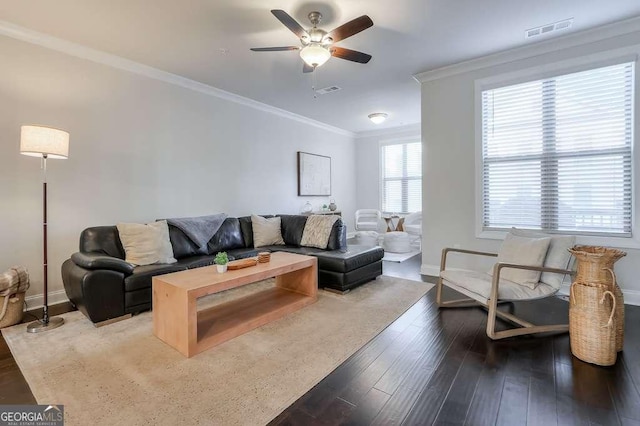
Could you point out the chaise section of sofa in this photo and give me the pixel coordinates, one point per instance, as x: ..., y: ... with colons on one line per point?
x: 104, y: 287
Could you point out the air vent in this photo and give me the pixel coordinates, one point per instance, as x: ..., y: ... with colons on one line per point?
x: 329, y: 89
x: 549, y: 28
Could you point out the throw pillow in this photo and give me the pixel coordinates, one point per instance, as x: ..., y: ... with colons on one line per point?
x: 558, y: 255
x: 146, y: 244
x: 522, y: 251
x: 317, y: 231
x: 266, y: 232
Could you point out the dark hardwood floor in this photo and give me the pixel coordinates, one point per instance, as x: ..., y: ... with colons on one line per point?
x: 434, y: 366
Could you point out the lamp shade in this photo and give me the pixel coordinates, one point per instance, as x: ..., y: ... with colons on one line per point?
x: 38, y: 141
x: 315, y: 55
x: 378, y: 117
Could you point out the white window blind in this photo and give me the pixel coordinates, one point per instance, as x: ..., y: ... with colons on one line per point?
x: 401, y: 177
x: 556, y: 153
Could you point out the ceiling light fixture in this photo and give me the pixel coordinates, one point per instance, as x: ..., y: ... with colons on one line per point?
x: 315, y: 54
x: 378, y: 117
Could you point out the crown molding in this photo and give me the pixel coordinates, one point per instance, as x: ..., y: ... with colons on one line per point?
x: 73, y: 49
x: 390, y: 131
x: 593, y: 35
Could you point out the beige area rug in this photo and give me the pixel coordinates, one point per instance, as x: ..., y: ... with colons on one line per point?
x: 122, y: 374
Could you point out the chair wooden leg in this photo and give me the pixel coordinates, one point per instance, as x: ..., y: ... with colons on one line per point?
x: 491, y: 318
x: 497, y: 335
x: 439, y: 291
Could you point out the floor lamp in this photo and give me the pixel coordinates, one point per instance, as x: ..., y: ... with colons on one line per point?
x: 44, y: 142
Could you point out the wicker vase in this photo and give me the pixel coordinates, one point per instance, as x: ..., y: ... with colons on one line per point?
x: 594, y: 263
x: 595, y: 268
x: 13, y: 309
x: 592, y: 330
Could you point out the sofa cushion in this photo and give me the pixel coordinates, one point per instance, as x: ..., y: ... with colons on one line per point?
x: 522, y: 251
x: 247, y: 229
x: 558, y: 255
x: 317, y: 230
x: 102, y: 239
x: 228, y: 237
x: 196, y: 261
x: 182, y: 245
x: 146, y: 244
x: 292, y: 228
x: 266, y: 231
x: 355, y: 257
x: 199, y: 229
x: 338, y: 236
x: 137, y: 301
x: 307, y: 251
x: 141, y: 277
x: 242, y: 253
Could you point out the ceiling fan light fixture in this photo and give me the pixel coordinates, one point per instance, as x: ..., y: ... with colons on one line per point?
x: 378, y: 117
x: 315, y: 55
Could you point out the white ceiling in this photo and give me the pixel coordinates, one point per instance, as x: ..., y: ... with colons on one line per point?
x: 409, y: 36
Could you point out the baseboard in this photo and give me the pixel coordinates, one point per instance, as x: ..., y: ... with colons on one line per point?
x: 55, y: 297
x: 430, y: 270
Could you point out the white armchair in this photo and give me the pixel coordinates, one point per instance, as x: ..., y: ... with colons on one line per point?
x: 369, y: 220
x: 489, y: 289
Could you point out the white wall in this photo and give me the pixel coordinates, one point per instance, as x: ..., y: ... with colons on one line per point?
x: 368, y: 162
x: 140, y: 149
x: 449, y: 169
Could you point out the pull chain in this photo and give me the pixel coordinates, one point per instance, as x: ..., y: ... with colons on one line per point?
x: 314, y: 83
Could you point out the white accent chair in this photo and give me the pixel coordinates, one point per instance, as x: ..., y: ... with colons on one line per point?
x: 412, y: 225
x: 483, y: 289
x: 368, y: 220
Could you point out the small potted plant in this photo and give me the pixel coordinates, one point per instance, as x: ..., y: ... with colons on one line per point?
x: 221, y: 261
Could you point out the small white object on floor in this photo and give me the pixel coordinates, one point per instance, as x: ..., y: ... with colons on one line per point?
x: 366, y: 238
x: 399, y: 257
x: 397, y: 242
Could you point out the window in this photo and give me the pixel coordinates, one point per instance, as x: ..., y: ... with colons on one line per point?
x: 401, y: 182
x: 556, y: 153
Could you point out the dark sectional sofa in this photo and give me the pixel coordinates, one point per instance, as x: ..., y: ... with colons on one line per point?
x: 103, y: 286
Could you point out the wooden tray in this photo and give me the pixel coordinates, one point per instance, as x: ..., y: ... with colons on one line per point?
x: 242, y: 263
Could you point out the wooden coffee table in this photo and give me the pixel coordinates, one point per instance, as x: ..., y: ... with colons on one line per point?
x: 177, y: 322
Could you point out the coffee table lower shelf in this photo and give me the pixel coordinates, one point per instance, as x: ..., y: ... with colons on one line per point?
x: 228, y: 320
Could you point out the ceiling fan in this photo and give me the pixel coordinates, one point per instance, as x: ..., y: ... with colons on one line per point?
x: 318, y: 44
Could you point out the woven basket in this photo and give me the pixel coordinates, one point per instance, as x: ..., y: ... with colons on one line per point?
x: 619, y: 317
x: 14, y: 311
x: 594, y: 262
x: 592, y: 330
x: 595, y: 268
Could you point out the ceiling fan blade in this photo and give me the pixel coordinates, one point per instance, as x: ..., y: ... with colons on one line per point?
x: 307, y: 68
x: 290, y: 23
x: 274, y: 49
x: 351, y: 28
x: 350, y: 55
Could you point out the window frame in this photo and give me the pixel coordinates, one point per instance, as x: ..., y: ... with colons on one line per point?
x: 614, y: 57
x: 381, y: 180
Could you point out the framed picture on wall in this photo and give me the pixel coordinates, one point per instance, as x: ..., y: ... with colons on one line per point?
x: 314, y: 174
